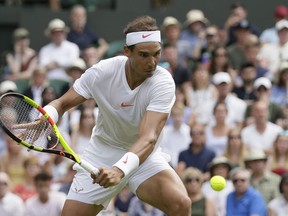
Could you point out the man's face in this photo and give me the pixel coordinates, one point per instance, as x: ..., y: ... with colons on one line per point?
x: 241, y: 183
x: 143, y: 59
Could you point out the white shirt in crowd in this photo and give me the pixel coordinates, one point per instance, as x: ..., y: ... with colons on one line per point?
x: 11, y: 205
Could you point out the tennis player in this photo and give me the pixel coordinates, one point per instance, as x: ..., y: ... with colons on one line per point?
x: 135, y: 97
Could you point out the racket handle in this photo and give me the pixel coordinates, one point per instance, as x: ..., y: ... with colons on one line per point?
x: 89, y: 167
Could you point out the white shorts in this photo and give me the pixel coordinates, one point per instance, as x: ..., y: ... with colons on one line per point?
x: 102, y: 155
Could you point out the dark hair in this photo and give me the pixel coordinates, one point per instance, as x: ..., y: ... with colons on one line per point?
x: 246, y: 65
x: 284, y: 179
x: 42, y: 176
x: 237, y: 5
x: 218, y: 103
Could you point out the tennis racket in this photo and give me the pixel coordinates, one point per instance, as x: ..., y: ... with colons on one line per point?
x: 20, y: 118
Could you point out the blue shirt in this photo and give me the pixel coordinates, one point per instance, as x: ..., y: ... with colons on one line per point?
x: 199, y: 160
x: 250, y: 203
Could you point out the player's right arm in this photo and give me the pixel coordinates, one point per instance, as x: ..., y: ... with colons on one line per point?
x: 70, y: 99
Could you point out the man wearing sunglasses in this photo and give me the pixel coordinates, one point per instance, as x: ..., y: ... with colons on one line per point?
x: 244, y: 201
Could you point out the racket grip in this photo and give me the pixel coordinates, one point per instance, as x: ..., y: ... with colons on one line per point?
x: 89, y: 167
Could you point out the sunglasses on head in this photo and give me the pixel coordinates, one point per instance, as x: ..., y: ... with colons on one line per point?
x: 189, y: 180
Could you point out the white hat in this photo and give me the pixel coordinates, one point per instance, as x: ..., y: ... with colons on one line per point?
x: 195, y: 16
x: 169, y: 20
x: 7, y: 86
x: 282, y: 24
x: 221, y: 77
x: 78, y: 64
x: 56, y: 25
x: 262, y: 81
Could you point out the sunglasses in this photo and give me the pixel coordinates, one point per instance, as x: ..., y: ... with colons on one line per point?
x: 189, y: 180
x: 239, y: 180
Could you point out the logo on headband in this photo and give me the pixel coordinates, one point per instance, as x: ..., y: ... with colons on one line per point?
x: 147, y: 35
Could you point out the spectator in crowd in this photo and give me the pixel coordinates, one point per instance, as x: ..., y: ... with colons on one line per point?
x: 138, y: 207
x: 203, y: 54
x: 193, y: 180
x: 220, y: 62
x: 171, y: 30
x: 262, y: 133
x: 278, y: 162
x: 236, y: 50
x: 90, y: 56
x: 235, y: 106
x: 244, y: 200
x: 238, y: 13
x: 11, y: 161
x: 197, y: 155
x: 10, y: 204
x: 217, y: 134
x: 262, y: 179
x: 74, y: 72
x: 282, y: 46
x: 279, y: 205
x: 269, y: 35
x: 80, y: 136
x: 262, y: 87
x: 279, y: 93
x: 236, y: 150
x: 193, y: 27
x: 81, y: 34
x: 59, y: 54
x: 46, y: 201
x: 179, y: 72
x: 248, y: 75
x: 176, y: 136
x: 26, y: 189
x: 199, y: 94
x: 22, y: 60
x: 38, y: 83
x: 122, y: 201
x: 219, y: 166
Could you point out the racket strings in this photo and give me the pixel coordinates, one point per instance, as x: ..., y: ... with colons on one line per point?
x: 23, y: 121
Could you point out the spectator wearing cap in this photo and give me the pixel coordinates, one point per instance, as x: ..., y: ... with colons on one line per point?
x: 236, y: 50
x: 262, y: 179
x: 244, y: 200
x: 261, y: 133
x: 171, y: 29
x: 262, y: 87
x: 218, y: 166
x: 59, y: 54
x: 279, y: 205
x: 269, y: 35
x: 8, y: 86
x: 279, y: 89
x: 194, y: 28
x: 10, y: 203
x: 235, y: 106
x: 282, y: 29
x: 22, y: 60
x: 74, y: 72
x: 238, y: 13
x: 81, y: 34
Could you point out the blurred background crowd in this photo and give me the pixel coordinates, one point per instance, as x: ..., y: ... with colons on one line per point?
x: 230, y: 117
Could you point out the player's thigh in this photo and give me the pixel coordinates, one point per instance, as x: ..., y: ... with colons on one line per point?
x: 76, y: 208
x: 163, y: 190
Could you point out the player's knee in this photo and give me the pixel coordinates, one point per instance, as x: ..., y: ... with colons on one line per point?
x: 181, y: 207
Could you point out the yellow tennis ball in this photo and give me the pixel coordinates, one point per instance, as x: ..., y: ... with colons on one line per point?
x: 218, y: 183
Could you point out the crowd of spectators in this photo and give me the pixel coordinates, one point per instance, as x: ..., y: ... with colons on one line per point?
x: 230, y: 117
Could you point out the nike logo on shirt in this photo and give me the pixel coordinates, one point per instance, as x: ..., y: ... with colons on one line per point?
x: 126, y: 105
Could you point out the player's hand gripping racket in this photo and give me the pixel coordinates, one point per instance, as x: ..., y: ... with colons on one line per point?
x: 20, y: 118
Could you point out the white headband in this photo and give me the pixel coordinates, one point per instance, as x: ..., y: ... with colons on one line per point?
x: 143, y: 36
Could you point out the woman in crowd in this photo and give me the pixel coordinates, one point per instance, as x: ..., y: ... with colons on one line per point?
x: 235, y: 150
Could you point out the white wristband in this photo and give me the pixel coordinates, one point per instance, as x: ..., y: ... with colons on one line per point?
x: 52, y: 112
x: 128, y: 163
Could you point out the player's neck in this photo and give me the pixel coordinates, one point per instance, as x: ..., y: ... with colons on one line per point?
x: 132, y: 80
